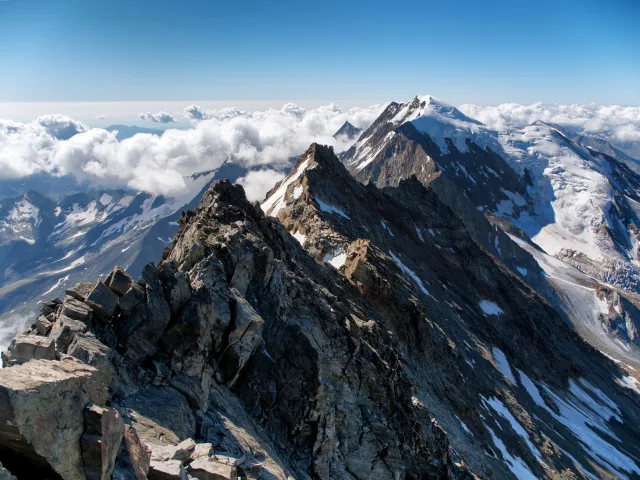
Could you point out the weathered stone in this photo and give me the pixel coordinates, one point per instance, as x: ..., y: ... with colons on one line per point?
x: 88, y: 349
x: 132, y: 297
x: 64, y: 331
x: 182, y: 451
x: 201, y: 450
x: 80, y: 291
x: 161, y: 415
x: 132, y: 462
x: 177, y: 289
x: 243, y: 340
x: 39, y: 395
x: 210, y: 469
x: 43, y: 325
x: 120, y: 281
x: 102, y: 301
x: 153, y: 320
x: 101, y: 441
x: 167, y: 470
x: 29, y: 347
x: 76, y: 310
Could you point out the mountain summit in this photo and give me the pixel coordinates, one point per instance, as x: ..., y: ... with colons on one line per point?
x: 348, y: 131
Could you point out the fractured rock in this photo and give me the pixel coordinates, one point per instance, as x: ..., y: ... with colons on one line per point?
x: 102, y: 301
x: 29, y: 347
x: 64, y: 331
x: 119, y: 281
x: 132, y: 462
x: 75, y: 309
x: 38, y: 395
x: 80, y: 291
x: 43, y: 325
x: 210, y: 469
x: 167, y: 470
x: 100, y: 442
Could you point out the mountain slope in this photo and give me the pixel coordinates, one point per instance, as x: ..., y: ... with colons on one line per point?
x: 585, y: 203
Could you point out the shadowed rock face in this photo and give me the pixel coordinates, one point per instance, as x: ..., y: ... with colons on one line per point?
x: 384, y: 344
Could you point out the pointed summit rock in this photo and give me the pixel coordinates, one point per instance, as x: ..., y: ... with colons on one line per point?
x: 348, y: 131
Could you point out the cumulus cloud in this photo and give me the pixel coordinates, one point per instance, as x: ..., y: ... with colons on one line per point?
x: 618, y: 124
x: 101, y: 117
x: 158, y: 164
x: 257, y: 183
x: 160, y: 117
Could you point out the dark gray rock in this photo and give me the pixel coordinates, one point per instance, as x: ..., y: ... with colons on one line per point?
x: 131, y: 298
x: 119, y: 281
x: 103, y: 302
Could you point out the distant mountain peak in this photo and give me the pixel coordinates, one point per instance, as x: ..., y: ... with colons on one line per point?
x: 348, y: 130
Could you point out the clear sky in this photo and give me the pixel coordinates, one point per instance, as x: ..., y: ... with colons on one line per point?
x: 356, y: 52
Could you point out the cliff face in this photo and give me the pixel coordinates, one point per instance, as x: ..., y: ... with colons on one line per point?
x: 361, y: 334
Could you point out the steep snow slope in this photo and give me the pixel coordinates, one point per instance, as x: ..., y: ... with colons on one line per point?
x: 585, y: 203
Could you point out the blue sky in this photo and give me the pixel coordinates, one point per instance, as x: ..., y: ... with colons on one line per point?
x: 355, y: 52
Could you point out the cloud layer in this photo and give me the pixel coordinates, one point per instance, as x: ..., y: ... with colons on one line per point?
x: 160, y: 117
x: 157, y: 164
x: 618, y: 124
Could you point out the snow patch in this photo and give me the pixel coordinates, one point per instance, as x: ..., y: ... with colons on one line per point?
x: 407, y: 271
x: 490, y: 308
x: 503, y: 364
x: 331, y: 209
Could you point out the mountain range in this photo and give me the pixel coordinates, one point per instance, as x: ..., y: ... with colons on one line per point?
x: 439, y: 301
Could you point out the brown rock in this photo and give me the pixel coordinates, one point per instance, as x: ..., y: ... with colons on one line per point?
x: 210, y: 469
x: 100, y: 442
x: 80, y: 291
x: 132, y: 462
x: 29, y: 347
x: 39, y: 395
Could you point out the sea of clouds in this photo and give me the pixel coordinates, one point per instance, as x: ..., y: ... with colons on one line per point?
x: 60, y: 145
x: 264, y: 140
x: 620, y: 125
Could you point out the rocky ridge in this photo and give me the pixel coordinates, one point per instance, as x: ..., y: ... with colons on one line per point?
x: 390, y: 346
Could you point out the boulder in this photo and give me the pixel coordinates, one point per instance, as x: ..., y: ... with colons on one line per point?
x: 39, y: 395
x: 76, y: 310
x: 43, y: 325
x: 167, y: 470
x: 88, y: 349
x: 183, y: 451
x: 177, y: 289
x: 103, y: 302
x: 152, y: 319
x: 80, y: 291
x: 132, y: 297
x: 64, y: 331
x: 210, y: 469
x: 132, y: 462
x: 29, y: 347
x: 101, y: 441
x: 119, y: 281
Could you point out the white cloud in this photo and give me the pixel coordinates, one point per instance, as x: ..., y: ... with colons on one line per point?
x: 257, y: 183
x: 160, y: 117
x: 618, y: 124
x: 157, y: 164
x: 101, y: 117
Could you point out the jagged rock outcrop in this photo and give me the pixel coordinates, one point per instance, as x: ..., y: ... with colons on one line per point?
x: 388, y: 347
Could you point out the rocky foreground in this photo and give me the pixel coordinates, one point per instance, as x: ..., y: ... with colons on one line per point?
x: 361, y: 334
